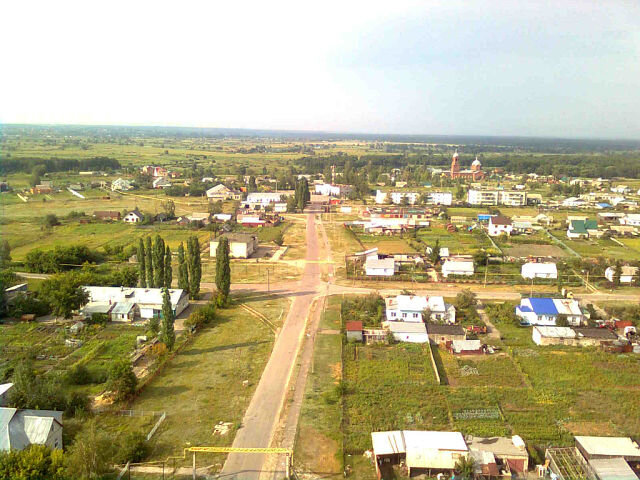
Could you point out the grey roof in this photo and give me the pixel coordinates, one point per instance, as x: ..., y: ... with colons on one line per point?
x: 123, y: 307
x: 97, y: 307
x: 440, y: 329
x: 612, y: 469
x: 21, y: 428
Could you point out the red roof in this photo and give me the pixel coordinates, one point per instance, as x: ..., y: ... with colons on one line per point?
x: 354, y: 326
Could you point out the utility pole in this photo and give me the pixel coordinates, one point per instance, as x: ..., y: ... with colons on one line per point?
x: 268, y: 277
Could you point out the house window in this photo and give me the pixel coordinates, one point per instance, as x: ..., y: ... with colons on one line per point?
x: 415, y: 315
x: 404, y: 315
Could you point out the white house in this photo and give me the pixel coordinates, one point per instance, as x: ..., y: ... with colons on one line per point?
x: 440, y: 198
x: 384, y: 267
x: 632, y: 219
x: 545, y: 311
x: 241, y: 245
x: 267, y: 198
x: 222, y: 192
x: 161, y: 182
x: 409, y: 308
x: 134, y: 216
x: 627, y: 273
x: 397, y: 197
x: 121, y: 184
x: 21, y: 428
x: 147, y: 300
x: 411, y: 332
x: 539, y: 270
x: 457, y: 267
x: 499, y: 225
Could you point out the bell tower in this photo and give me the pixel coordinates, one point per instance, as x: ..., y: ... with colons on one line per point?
x: 455, y: 165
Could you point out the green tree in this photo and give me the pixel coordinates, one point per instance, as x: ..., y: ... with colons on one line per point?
x: 252, y: 187
x: 36, y: 175
x: 121, y: 379
x: 5, y: 252
x: 90, y: 455
x: 158, y: 262
x: 167, y: 332
x: 36, y: 462
x: 434, y: 256
x: 169, y: 208
x: 63, y: 295
x: 195, y: 266
x: 50, y: 220
x: 183, y: 270
x: 466, y: 299
x: 168, y: 269
x: 142, y: 268
x: 223, y: 271
x: 617, y: 272
x: 149, y: 261
x: 465, y: 468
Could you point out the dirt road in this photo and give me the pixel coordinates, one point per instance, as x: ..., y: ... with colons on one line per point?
x: 262, y: 416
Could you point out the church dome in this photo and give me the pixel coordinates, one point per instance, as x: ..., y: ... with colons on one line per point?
x: 455, y: 155
x: 476, y: 163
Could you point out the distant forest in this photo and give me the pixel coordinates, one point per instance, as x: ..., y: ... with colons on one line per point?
x: 26, y: 165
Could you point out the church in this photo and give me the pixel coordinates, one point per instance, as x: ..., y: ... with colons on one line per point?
x: 475, y: 173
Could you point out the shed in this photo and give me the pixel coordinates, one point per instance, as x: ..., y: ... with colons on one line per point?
x: 615, y: 468
x: 441, y: 334
x: 608, y: 447
x: 428, y: 450
x: 465, y: 347
x: 510, y: 453
x: 354, y: 331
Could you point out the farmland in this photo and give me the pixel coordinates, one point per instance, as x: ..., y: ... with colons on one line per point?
x: 544, y: 394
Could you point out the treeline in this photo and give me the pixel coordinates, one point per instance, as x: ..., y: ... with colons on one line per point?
x: 590, y: 166
x: 60, y: 258
x: 27, y: 164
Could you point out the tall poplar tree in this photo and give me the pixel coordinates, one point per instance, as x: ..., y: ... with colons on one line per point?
x: 195, y: 266
x: 142, y: 269
x: 183, y: 270
x: 158, y: 262
x: 223, y: 271
x: 149, y: 261
x: 167, y: 332
x: 168, y: 269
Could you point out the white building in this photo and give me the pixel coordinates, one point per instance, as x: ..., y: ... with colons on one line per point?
x: 121, y: 184
x: 499, y: 225
x: 333, y: 190
x: 384, y: 267
x: 409, y: 308
x: 241, y: 245
x: 134, y: 216
x: 397, y: 197
x: 511, y: 198
x: 632, y: 219
x: 20, y: 429
x: 411, y: 332
x: 539, y: 270
x: 545, y: 311
x: 161, y: 182
x: 148, y: 300
x: 627, y: 273
x: 267, y: 198
x: 222, y: 192
x: 457, y: 267
x: 439, y: 198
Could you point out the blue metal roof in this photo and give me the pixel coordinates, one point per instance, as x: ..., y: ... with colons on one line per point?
x: 543, y: 306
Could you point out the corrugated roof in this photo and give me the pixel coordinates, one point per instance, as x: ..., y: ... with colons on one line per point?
x: 612, y: 469
x: 543, y: 306
x: 388, y: 443
x: 433, y: 449
x: 555, y: 332
x: 440, y: 329
x: 123, y: 307
x: 406, y: 327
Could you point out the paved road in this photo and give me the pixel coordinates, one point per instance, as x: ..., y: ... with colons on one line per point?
x: 262, y: 415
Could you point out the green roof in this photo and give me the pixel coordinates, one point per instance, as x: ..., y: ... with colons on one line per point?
x: 581, y: 226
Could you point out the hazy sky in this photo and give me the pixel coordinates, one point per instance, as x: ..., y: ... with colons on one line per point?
x: 556, y: 68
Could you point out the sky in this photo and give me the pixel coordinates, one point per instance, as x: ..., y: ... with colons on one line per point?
x: 532, y: 68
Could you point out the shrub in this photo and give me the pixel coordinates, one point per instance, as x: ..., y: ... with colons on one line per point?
x: 78, y: 375
x: 121, y: 380
x: 133, y: 448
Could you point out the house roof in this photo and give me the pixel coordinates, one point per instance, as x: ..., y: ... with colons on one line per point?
x: 136, y: 212
x: 460, y: 345
x: 502, y: 446
x: 411, y: 303
x: 388, y: 443
x: 602, y: 333
x: 555, y: 332
x: 440, y: 329
x: 578, y: 226
x: 5, y: 387
x: 609, y: 446
x: 354, y: 326
x: 458, y: 265
x: 543, y: 306
x: 500, y: 220
x: 149, y: 296
x: 433, y: 449
x: 383, y: 263
x: 615, y: 468
x: 567, y: 306
x: 123, y: 307
x: 20, y: 428
x: 238, y: 237
x: 534, y: 267
x: 406, y: 327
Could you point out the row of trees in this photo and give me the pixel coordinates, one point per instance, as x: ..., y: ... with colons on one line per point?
x: 155, y: 265
x: 302, y: 194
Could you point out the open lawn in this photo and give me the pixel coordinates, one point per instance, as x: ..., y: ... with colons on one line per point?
x: 599, y: 247
x: 295, y: 239
x: 203, y: 384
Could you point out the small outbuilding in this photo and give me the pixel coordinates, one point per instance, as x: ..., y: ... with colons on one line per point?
x: 440, y: 334
x: 354, y: 331
x: 411, y: 332
x: 241, y: 245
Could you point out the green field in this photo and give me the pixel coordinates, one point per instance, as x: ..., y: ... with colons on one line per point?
x: 544, y: 394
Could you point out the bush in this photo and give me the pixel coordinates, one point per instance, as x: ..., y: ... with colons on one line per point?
x: 23, y: 303
x: 133, y: 448
x: 50, y: 220
x: 202, y: 316
x: 33, y: 463
x: 121, y: 380
x: 78, y: 375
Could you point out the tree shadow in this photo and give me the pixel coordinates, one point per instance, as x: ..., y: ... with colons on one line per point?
x: 222, y: 348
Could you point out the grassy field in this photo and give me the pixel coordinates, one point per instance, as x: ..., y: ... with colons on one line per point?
x: 295, y: 238
x: 203, y: 384
x: 318, y: 445
x: 600, y: 247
